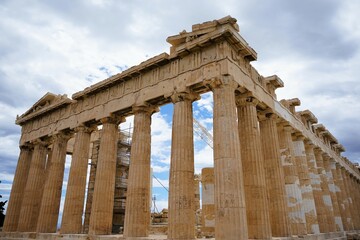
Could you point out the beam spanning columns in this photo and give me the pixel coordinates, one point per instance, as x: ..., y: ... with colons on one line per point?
x: 75, y: 192
x: 50, y: 203
x: 327, y: 201
x: 18, y: 188
x: 230, y: 211
x: 103, y: 196
x: 181, y: 189
x: 292, y: 183
x: 316, y: 187
x: 329, y: 165
x: 341, y: 195
x: 34, y: 189
x: 308, y: 203
x: 257, y: 207
x: 274, y: 176
x: 137, y: 211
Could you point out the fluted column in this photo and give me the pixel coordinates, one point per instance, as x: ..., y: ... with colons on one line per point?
x: 75, y: 192
x: 181, y: 190
x: 316, y: 187
x: 330, y: 227
x: 348, y: 200
x: 137, y: 211
x: 292, y: 183
x: 257, y: 206
x: 50, y: 203
x: 341, y: 195
x: 274, y: 176
x: 354, y: 210
x: 103, y: 196
x: 230, y: 211
x: 355, y: 200
x: 34, y: 188
x: 17, y: 190
x: 328, y: 165
x: 208, y: 204
x: 308, y: 203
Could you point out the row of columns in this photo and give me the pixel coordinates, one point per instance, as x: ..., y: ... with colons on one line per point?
x: 268, y: 181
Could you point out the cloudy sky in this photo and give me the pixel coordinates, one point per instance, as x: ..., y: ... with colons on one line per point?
x: 65, y: 46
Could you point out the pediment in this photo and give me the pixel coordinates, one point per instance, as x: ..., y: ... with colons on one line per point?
x: 47, y: 102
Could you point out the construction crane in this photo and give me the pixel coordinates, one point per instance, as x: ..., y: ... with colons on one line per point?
x: 203, y: 133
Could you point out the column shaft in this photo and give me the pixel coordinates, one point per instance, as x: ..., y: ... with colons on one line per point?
x: 103, y: 196
x: 348, y: 199
x: 292, y: 183
x: 257, y: 206
x: 181, y: 196
x: 316, y: 186
x: 33, y: 190
x: 327, y: 201
x: 17, y: 190
x: 329, y: 164
x: 274, y: 177
x: 308, y: 203
x: 342, y: 198
x: 50, y: 203
x: 75, y: 192
x: 230, y: 212
x: 356, y: 200
x: 137, y: 211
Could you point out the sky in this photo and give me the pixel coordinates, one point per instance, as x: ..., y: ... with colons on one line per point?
x: 64, y: 46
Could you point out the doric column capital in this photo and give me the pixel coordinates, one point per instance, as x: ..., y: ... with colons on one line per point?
x: 223, y: 80
x: 326, y: 156
x: 41, y: 142
x: 317, y: 149
x: 62, y: 135
x: 145, y: 108
x: 266, y: 115
x: 27, y: 146
x: 309, y: 143
x: 115, y: 119
x: 298, y: 136
x: 186, y: 95
x: 246, y: 100
x: 85, y: 128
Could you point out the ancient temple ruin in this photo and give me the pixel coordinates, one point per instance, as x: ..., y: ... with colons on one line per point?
x: 277, y: 171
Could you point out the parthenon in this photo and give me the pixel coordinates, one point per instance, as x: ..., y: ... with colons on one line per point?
x: 278, y: 172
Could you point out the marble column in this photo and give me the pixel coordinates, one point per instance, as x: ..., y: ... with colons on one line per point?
x: 17, y: 190
x: 230, y: 211
x: 181, y: 188
x: 356, y: 200
x: 292, y: 183
x: 75, y: 192
x: 330, y: 227
x: 341, y: 195
x: 316, y: 187
x: 30, y: 208
x: 104, y: 189
x: 50, y: 203
x: 208, y: 204
x: 308, y: 203
x: 137, y: 211
x: 329, y: 164
x: 257, y: 206
x: 274, y: 176
x: 348, y: 199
